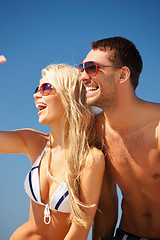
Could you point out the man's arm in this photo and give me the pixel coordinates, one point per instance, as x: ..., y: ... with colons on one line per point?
x: 107, y: 213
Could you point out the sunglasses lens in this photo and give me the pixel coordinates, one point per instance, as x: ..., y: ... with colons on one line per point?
x: 90, y: 68
x: 81, y: 67
x: 36, y: 90
x: 45, y: 89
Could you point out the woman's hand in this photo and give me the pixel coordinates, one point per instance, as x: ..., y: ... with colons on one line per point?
x: 2, y: 59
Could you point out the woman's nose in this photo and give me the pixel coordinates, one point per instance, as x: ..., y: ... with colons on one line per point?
x: 37, y: 95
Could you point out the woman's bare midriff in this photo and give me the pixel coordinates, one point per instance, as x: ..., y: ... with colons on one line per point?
x: 36, y: 229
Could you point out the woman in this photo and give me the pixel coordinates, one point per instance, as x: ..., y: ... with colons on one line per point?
x: 65, y: 179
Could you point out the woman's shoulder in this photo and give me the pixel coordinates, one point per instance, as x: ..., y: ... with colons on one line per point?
x: 96, y: 157
x: 94, y: 168
x: 32, y: 133
x: 35, y: 142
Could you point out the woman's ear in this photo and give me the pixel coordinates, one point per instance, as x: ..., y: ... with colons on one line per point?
x: 124, y: 74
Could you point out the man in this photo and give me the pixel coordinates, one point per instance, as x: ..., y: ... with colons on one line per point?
x: 129, y: 129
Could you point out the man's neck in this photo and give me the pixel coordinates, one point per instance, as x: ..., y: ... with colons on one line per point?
x: 124, y: 114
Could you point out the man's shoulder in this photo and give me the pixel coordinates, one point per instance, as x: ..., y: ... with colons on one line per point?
x: 153, y: 106
x: 149, y: 112
x: 154, y: 113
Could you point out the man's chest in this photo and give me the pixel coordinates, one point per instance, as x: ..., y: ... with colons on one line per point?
x: 134, y: 154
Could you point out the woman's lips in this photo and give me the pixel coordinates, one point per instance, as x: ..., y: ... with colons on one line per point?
x: 40, y: 106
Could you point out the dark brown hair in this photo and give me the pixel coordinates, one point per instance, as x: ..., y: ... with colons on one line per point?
x: 122, y: 53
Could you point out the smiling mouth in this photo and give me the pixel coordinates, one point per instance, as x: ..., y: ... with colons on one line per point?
x: 40, y: 107
x: 91, y: 88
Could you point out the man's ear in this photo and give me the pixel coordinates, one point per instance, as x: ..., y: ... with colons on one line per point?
x: 124, y: 74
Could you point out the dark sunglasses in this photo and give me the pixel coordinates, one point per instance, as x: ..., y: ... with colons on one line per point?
x: 45, y: 89
x: 92, y: 68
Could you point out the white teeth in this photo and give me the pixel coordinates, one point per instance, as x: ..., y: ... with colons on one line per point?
x: 40, y: 106
x: 91, y: 88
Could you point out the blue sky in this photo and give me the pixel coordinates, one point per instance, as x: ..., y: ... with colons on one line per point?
x: 34, y: 34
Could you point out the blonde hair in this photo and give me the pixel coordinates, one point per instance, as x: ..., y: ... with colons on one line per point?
x: 78, y: 132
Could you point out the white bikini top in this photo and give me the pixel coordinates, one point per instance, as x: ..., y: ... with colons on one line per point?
x: 60, y: 198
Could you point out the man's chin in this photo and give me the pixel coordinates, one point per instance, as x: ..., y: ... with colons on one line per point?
x: 91, y: 102
x: 93, y: 96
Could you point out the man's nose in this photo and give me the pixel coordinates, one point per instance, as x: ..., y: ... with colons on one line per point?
x: 84, y: 76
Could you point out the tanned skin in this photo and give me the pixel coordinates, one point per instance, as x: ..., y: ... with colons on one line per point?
x: 130, y: 131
